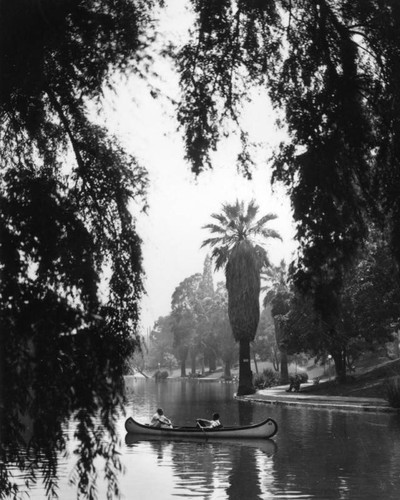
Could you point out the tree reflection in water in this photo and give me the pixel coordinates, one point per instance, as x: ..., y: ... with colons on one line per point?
x: 332, y: 455
x: 202, y: 466
x: 71, y: 392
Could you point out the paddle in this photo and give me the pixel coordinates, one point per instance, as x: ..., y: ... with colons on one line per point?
x: 202, y: 429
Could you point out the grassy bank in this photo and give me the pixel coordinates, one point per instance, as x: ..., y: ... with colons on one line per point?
x: 367, y: 384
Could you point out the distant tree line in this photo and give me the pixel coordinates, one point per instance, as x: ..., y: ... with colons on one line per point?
x: 198, y: 332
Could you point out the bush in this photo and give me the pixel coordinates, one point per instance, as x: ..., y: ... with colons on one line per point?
x: 267, y: 378
x: 392, y: 387
x: 302, y: 377
x: 161, y: 375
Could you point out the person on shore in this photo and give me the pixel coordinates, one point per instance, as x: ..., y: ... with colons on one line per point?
x: 160, y: 420
x: 213, y: 424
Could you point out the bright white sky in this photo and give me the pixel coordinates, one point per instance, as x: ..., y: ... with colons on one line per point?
x: 179, y: 204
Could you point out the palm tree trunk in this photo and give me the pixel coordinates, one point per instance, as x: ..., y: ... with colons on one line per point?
x: 245, y: 375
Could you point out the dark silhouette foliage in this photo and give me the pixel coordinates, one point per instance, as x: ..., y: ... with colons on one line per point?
x: 70, y: 257
x: 332, y: 69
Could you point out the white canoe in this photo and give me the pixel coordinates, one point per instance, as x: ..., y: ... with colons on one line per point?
x: 265, y: 429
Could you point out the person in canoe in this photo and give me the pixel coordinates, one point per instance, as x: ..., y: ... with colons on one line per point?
x: 213, y: 424
x: 160, y: 420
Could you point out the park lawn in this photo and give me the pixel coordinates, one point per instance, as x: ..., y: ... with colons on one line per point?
x: 367, y: 384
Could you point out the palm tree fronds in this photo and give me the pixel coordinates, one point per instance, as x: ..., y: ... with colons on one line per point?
x: 264, y: 220
x: 252, y: 210
x: 262, y: 256
x: 221, y: 219
x: 214, y: 228
x: 220, y: 256
x: 233, y: 212
x: 270, y: 233
x: 211, y: 242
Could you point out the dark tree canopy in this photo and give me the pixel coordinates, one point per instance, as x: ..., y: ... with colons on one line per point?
x: 367, y: 315
x: 332, y: 68
x: 70, y: 257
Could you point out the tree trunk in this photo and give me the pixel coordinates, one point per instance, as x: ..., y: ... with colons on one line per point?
x: 284, y: 367
x: 2, y: 378
x: 279, y: 336
x: 396, y: 344
x: 193, y: 363
x: 212, y: 361
x: 227, y: 369
x: 275, y: 359
x: 245, y: 375
x: 255, y: 362
x: 183, y: 368
x: 339, y: 357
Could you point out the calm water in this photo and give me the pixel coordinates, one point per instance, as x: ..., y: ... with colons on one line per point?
x: 318, y: 454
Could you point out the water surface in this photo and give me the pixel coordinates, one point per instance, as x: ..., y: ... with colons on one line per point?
x: 317, y: 454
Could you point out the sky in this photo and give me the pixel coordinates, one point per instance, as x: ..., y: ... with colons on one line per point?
x: 179, y: 203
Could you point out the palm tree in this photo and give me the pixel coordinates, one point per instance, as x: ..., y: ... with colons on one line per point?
x: 236, y: 249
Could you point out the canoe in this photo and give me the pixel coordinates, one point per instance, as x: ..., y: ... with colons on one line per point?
x: 266, y: 429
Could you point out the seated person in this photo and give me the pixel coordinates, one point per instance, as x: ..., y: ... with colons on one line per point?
x: 160, y: 420
x: 294, y: 384
x: 209, y: 424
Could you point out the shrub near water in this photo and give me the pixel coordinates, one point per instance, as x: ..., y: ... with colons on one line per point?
x: 267, y: 378
x: 161, y: 375
x: 301, y: 376
x: 393, y: 391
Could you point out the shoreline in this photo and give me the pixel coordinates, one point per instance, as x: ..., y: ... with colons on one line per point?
x: 278, y: 396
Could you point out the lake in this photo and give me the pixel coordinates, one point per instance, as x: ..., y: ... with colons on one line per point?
x: 317, y: 453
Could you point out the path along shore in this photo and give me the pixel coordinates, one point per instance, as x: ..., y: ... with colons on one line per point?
x: 278, y: 395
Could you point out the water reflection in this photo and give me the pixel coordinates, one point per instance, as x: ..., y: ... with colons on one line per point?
x: 233, y: 469
x: 317, y: 454
x: 338, y: 455
x: 320, y: 454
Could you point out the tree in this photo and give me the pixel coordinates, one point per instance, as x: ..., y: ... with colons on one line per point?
x: 184, y: 318
x: 204, y: 304
x: 161, y: 340
x: 65, y: 228
x: 368, y: 312
x: 221, y: 327
x: 331, y: 68
x: 278, y: 295
x: 265, y: 345
x: 235, y: 248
